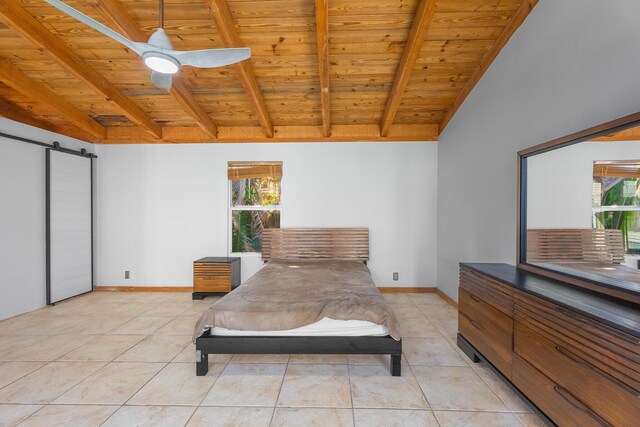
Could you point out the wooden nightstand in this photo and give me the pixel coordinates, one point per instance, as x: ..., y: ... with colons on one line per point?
x: 215, y: 276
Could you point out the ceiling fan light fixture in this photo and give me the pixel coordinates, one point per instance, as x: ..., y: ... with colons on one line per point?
x: 161, y: 63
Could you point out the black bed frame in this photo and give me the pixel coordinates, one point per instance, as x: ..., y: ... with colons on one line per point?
x: 212, y: 344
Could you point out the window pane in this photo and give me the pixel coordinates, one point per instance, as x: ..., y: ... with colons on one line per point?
x: 247, y: 226
x: 255, y: 192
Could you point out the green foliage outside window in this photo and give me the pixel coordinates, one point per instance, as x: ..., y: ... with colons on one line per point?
x: 622, y: 192
x: 247, y: 225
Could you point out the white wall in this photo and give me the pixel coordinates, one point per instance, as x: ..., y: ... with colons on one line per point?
x: 571, y: 65
x: 22, y: 217
x: 163, y: 206
x: 559, y: 184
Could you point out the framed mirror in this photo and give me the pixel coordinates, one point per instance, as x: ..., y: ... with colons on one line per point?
x: 579, y: 208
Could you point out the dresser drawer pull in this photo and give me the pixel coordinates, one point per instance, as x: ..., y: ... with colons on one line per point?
x: 578, y: 360
x: 475, y: 324
x: 579, y: 405
x: 475, y: 298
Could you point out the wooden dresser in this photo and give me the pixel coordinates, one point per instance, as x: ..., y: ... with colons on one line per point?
x: 573, y: 353
x: 215, y: 275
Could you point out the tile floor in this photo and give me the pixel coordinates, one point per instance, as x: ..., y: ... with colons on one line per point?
x: 124, y: 359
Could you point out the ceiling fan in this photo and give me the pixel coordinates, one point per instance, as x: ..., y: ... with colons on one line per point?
x: 158, y: 53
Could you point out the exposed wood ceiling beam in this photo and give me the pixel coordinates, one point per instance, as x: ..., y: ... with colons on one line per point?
x: 322, y: 38
x: 234, y: 134
x: 115, y: 12
x: 36, y: 91
x: 227, y: 30
x: 516, y: 20
x: 12, y: 112
x: 30, y: 28
x: 421, y: 22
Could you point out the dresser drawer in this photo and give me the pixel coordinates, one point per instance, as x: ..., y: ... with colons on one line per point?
x: 603, y: 394
x: 494, y: 293
x: 610, y: 350
x: 554, y: 400
x: 488, y: 329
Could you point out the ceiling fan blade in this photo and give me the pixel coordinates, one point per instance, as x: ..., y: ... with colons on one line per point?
x: 161, y: 80
x: 209, y: 58
x: 137, y: 47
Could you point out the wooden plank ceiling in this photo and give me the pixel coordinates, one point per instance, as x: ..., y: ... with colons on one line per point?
x: 321, y: 70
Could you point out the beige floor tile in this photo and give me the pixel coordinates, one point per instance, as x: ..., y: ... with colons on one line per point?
x: 374, y: 387
x: 504, y: 392
x: 312, y: 417
x: 22, y: 324
x: 48, y: 382
x: 11, y: 371
x: 116, y: 296
x: 431, y: 351
x: 530, y: 420
x: 133, y: 308
x: 320, y: 359
x: 184, y: 325
x: 42, y: 348
x: 373, y: 359
x: 150, y: 416
x: 231, y: 417
x: 407, y: 312
x: 105, y: 348
x: 427, y: 299
x: 316, y: 386
x: 156, y: 348
x: 417, y: 327
x: 479, y: 419
x: 396, y: 298
x: 142, y: 325
x: 260, y: 358
x: 393, y: 418
x: 113, y: 384
x: 456, y: 388
x: 438, y: 312
x: 157, y: 296
x: 70, y: 415
x: 188, y: 355
x: 448, y: 328
x: 12, y: 415
x: 177, y: 384
x: 247, y: 385
x: 186, y: 297
x: 100, y: 325
x: 170, y: 309
x: 197, y: 309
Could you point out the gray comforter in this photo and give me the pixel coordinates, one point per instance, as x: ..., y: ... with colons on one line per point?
x: 290, y: 294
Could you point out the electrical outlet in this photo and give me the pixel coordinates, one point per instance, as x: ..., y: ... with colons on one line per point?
x: 126, y: 274
x: 395, y: 277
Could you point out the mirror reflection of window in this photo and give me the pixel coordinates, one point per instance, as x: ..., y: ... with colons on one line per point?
x: 616, y: 200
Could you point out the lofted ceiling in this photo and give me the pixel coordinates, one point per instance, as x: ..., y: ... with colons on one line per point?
x: 321, y: 70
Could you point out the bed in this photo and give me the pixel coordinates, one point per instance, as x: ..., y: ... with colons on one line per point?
x: 314, y: 295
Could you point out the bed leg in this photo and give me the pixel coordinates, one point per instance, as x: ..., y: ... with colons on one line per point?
x: 396, y: 362
x: 202, y: 363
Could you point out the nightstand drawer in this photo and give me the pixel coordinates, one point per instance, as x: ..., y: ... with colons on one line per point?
x: 212, y: 284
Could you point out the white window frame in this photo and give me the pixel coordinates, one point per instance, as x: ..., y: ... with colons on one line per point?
x: 246, y: 208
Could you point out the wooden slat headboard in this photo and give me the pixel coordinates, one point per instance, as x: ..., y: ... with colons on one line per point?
x: 316, y: 243
x: 575, y: 245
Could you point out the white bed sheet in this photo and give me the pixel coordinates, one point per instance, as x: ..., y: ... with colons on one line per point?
x: 325, y: 327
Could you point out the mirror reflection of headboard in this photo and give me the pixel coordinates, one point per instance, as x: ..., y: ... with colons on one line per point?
x: 579, y: 208
x: 343, y: 244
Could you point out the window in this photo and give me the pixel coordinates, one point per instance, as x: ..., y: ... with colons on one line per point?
x: 254, y: 202
x: 616, y: 200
